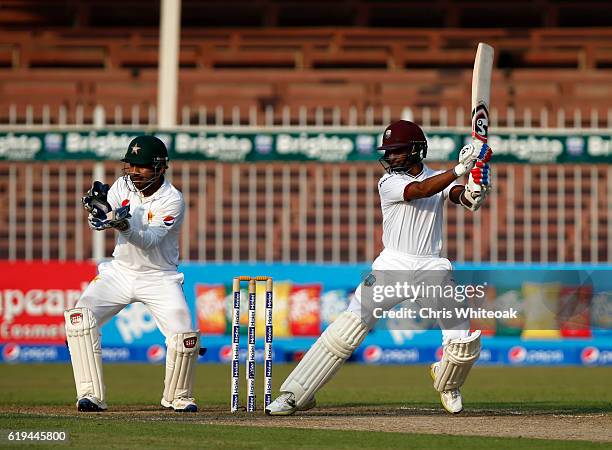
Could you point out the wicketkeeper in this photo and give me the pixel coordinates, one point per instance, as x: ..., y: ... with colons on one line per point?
x: 412, y: 197
x: 147, y: 211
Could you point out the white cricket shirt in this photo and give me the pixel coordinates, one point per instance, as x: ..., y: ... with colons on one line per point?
x: 152, y: 241
x: 413, y: 227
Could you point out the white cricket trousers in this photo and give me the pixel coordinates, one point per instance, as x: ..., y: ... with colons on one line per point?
x: 115, y: 287
x: 392, y: 260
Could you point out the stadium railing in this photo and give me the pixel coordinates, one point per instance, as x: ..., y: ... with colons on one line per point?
x: 315, y: 212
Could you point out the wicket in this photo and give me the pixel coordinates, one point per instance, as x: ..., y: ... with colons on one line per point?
x: 250, y: 362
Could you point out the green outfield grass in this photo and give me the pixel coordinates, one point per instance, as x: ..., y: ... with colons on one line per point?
x: 38, y: 389
x: 105, y: 433
x: 569, y: 389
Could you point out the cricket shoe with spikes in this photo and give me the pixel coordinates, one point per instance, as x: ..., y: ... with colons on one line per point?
x: 183, y: 404
x: 451, y: 399
x: 284, y: 405
x: 90, y: 404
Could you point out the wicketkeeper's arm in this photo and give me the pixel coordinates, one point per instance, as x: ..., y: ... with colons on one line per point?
x: 151, y: 235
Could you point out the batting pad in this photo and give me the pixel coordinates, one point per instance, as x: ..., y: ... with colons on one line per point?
x: 85, y: 352
x: 181, y: 361
x: 458, y: 358
x: 325, y: 357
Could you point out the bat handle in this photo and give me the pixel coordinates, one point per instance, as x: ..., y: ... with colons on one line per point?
x: 472, y: 184
x: 475, y: 187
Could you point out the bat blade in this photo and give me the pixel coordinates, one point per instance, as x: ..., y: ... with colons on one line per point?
x: 481, y: 96
x: 481, y: 92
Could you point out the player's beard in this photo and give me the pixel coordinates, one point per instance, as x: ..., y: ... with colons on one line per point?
x: 402, y: 166
x: 139, y: 184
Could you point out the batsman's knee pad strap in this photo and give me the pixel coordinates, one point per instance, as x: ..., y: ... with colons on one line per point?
x: 325, y: 357
x: 181, y: 359
x: 458, y: 358
x: 85, y: 352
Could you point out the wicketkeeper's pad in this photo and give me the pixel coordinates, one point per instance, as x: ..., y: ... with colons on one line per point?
x: 181, y: 360
x: 458, y: 357
x: 85, y: 352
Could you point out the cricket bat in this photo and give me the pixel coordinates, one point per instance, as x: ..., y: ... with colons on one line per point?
x: 481, y: 93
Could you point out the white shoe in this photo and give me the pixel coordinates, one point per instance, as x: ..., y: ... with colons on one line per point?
x: 183, y: 404
x: 89, y: 403
x: 451, y: 399
x: 284, y: 405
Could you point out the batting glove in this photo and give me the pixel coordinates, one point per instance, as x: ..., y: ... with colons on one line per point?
x: 467, y: 157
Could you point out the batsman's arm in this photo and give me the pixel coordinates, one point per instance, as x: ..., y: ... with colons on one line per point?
x: 456, y: 193
x: 430, y: 186
x: 466, y: 197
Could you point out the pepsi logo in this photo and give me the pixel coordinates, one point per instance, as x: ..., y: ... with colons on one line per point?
x: 225, y: 353
x: 589, y: 355
x: 11, y: 352
x: 125, y: 202
x: 439, y: 353
x: 156, y: 353
x: 372, y: 353
x: 517, y: 354
x: 168, y: 221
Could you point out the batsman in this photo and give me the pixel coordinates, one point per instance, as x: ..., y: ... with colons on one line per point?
x: 147, y: 211
x: 411, y: 197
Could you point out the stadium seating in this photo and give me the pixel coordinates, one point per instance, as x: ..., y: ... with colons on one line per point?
x: 337, y: 62
x: 292, y: 68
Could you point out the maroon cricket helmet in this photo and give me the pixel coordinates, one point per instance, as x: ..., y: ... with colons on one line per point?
x: 407, y: 136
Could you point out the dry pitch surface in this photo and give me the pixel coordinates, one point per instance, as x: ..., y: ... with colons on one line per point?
x: 499, y: 423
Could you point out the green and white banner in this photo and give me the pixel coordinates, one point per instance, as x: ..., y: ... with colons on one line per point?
x: 230, y: 145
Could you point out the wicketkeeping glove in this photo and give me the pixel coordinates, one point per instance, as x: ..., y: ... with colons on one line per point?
x: 95, y: 201
x: 119, y: 220
x: 98, y: 224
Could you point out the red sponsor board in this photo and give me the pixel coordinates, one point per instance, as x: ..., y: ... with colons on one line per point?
x: 305, y: 310
x: 34, y: 296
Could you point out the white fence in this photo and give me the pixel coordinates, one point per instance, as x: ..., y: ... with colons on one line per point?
x: 314, y: 212
x: 138, y: 116
x: 308, y: 211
